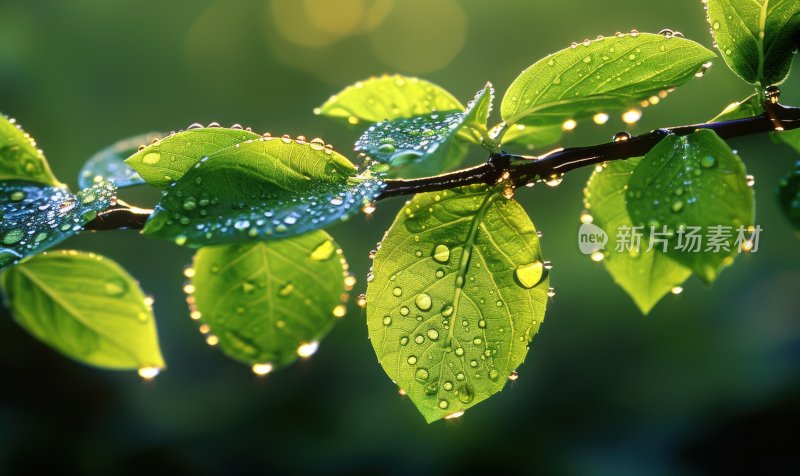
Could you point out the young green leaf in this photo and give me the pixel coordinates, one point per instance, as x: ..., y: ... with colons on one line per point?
x: 388, y: 97
x: 459, y: 291
x: 36, y: 217
x: 270, y: 302
x: 20, y: 159
x: 262, y: 189
x: 85, y: 306
x: 688, y: 182
x: 789, y: 196
x: 533, y: 136
x: 601, y: 75
x: 423, y: 145
x: 757, y: 38
x: 476, y: 116
x: 645, y: 275
x: 109, y: 163
x: 748, y: 107
x: 170, y: 158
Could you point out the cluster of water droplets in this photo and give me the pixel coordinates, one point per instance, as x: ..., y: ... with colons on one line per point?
x: 437, y: 321
x: 35, y: 217
x: 399, y: 141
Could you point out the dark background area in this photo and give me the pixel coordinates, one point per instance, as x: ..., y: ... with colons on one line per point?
x: 708, y: 383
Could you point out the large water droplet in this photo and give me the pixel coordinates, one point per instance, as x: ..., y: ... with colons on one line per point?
x: 441, y: 253
x: 530, y: 274
x: 423, y: 301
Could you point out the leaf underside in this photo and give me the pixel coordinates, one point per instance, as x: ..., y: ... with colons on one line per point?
x: 36, y: 217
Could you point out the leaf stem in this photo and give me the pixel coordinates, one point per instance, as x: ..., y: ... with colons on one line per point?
x: 523, y: 169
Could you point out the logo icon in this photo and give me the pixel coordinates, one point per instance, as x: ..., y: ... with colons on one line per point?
x: 591, y: 238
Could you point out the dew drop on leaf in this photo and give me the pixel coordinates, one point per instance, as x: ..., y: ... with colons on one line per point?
x: 530, y: 274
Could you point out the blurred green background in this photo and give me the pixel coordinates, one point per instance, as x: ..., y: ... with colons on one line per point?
x: 700, y: 386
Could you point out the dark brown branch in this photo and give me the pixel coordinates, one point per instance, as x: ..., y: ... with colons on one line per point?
x: 525, y: 169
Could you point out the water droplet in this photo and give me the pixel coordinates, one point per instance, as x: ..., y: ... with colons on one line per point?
x: 750, y: 180
x: 677, y: 206
x: 677, y: 290
x: 262, y: 369
x: 411, y: 360
x: 621, y: 136
x: 600, y: 118
x: 441, y: 253
x: 423, y: 301
x: 398, y: 291
x: 324, y: 251
x: 443, y: 404
x: 513, y: 376
x: 715, y: 25
x: 708, y: 161
x: 433, y: 334
x: 569, y: 125
x: 115, y: 287
x: 151, y: 158
x: 421, y: 375
x: 530, y: 274
x: 149, y: 373
x: 307, y: 350
x: 493, y: 374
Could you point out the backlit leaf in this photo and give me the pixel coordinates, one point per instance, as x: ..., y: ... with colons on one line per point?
x: 388, y: 97
x: 261, y: 189
x: 693, y: 181
x: 599, y: 76
x: 167, y: 160
x: 36, y: 217
x: 757, y: 38
x: 109, y: 163
x: 645, y: 275
x: 20, y: 158
x: 86, y: 307
x: 270, y: 301
x: 459, y: 291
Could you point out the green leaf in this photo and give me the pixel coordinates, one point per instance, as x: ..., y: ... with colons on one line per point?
x: 601, y: 75
x: 693, y: 181
x: 789, y: 196
x: 36, y: 217
x: 269, y: 302
x: 85, y: 306
x: 533, y: 136
x: 757, y: 38
x: 749, y: 107
x: 647, y: 275
x: 20, y: 159
x: 262, y: 189
x: 388, y: 97
x: 170, y: 158
x: 790, y: 138
x: 423, y: 145
x: 459, y: 291
x: 109, y: 163
x: 476, y: 116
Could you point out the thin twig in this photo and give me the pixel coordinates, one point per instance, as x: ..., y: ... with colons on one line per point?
x: 523, y: 169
